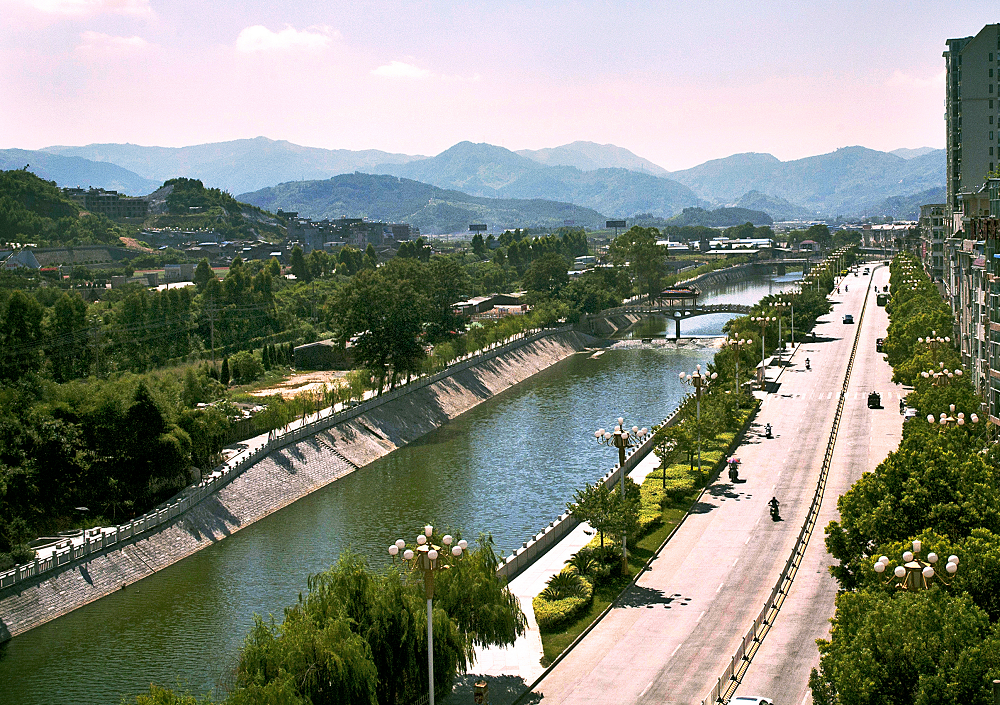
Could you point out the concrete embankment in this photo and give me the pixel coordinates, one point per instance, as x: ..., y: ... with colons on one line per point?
x: 281, y: 478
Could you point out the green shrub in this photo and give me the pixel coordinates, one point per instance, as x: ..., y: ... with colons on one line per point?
x: 564, y: 584
x: 245, y: 367
x: 554, y: 615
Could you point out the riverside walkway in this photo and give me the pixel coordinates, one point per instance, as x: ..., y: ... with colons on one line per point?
x: 671, y: 636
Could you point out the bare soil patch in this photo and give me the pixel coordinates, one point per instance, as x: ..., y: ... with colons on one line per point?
x: 303, y: 382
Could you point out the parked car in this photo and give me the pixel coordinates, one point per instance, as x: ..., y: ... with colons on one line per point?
x: 848, y: 318
x: 751, y: 700
x: 878, y: 344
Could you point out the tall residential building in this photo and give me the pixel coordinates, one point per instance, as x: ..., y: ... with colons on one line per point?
x: 972, y: 108
x: 932, y: 236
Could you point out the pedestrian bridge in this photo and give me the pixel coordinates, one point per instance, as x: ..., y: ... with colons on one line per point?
x: 674, y: 309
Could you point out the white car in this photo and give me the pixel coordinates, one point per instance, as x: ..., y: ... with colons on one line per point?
x: 751, y: 700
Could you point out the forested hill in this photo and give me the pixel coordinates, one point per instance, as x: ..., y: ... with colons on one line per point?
x: 433, y: 210
x: 33, y: 210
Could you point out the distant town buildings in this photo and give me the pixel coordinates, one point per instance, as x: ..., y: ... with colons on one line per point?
x: 109, y: 203
x: 355, y: 232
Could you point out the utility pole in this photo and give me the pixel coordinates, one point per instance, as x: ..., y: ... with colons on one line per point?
x: 211, y: 328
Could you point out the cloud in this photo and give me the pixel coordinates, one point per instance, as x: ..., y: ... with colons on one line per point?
x: 95, y: 41
x: 398, y: 69
x: 91, y: 7
x: 260, y: 38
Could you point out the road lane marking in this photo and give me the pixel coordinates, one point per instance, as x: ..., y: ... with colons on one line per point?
x: 678, y: 648
x: 748, y: 539
x: 735, y: 561
x: 720, y: 587
x: 646, y: 688
x: 699, y: 617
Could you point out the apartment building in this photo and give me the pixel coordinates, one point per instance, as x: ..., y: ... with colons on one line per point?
x: 972, y: 107
x: 109, y: 203
x: 932, y: 237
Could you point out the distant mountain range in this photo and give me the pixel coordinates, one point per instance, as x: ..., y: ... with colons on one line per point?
x: 852, y: 181
x: 588, y: 156
x: 487, y: 170
x: 236, y: 166
x: 76, y: 171
x: 432, y: 209
x: 848, y: 181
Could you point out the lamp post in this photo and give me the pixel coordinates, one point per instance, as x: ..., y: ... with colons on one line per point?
x: 429, y: 558
x: 946, y: 420
x: 934, y: 340
x: 781, y: 305
x: 738, y: 343
x: 763, y: 321
x: 915, y: 574
x: 942, y: 377
x: 622, y: 438
x: 699, y: 382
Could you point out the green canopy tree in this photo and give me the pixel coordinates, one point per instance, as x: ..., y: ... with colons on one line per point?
x: 637, y: 249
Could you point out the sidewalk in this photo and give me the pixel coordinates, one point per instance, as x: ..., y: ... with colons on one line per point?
x: 524, y: 658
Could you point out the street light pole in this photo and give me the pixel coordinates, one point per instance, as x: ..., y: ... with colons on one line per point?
x: 698, y: 381
x: 738, y: 343
x: 763, y: 321
x: 915, y: 574
x: 429, y: 558
x: 621, y: 438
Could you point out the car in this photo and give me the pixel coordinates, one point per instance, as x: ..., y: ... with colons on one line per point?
x: 751, y: 700
x: 878, y: 344
x: 874, y: 400
x: 848, y: 318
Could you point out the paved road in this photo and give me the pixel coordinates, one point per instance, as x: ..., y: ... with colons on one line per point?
x: 674, y: 633
x: 780, y: 669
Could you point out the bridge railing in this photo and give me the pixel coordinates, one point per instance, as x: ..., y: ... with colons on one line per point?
x: 696, y: 310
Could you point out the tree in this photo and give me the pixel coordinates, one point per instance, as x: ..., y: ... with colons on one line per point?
x: 20, y: 336
x: 203, y: 273
x: 931, y: 646
x: 593, y: 504
x: 479, y: 245
x: 547, y: 275
x: 225, y: 376
x: 638, y: 250
x: 299, y: 267
x: 70, y: 352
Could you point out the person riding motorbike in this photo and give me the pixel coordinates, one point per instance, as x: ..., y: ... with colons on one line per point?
x: 774, y: 507
x: 902, y: 406
x: 767, y: 430
x: 807, y: 363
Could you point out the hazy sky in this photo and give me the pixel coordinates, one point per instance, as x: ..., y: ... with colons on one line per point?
x: 675, y: 82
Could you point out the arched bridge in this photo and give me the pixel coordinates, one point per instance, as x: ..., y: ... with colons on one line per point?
x: 677, y: 310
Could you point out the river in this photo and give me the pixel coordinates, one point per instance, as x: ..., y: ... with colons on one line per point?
x: 507, y: 467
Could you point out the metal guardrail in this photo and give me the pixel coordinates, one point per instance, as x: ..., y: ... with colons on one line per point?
x: 158, y: 518
x: 727, y: 683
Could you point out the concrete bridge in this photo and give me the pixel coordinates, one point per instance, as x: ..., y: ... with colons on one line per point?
x: 676, y: 310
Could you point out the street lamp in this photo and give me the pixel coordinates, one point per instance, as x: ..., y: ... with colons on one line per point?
x: 942, y: 377
x: 934, y: 340
x: 914, y: 574
x: 951, y: 418
x: 429, y: 558
x: 763, y: 321
x: 780, y: 305
x: 738, y: 343
x: 698, y: 381
x: 622, y: 438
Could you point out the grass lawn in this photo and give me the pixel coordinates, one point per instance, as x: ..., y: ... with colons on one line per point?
x: 554, y: 643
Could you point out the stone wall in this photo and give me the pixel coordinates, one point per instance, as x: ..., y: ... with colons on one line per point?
x: 281, y: 477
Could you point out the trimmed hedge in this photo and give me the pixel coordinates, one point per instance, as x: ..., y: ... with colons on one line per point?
x: 553, y: 616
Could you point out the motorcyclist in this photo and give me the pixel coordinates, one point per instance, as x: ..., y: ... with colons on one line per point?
x: 807, y: 363
x: 774, y: 506
x: 767, y: 430
x: 902, y: 406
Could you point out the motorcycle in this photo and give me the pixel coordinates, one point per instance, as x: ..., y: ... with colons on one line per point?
x: 774, y: 509
x: 807, y: 364
x: 767, y: 430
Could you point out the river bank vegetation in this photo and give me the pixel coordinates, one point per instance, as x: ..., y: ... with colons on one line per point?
x: 939, y: 644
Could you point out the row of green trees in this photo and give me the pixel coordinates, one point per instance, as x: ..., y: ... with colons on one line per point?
x: 940, y: 486
x: 358, y: 636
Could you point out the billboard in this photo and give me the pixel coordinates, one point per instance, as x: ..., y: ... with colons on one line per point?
x: 615, y: 224
x: 477, y: 228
